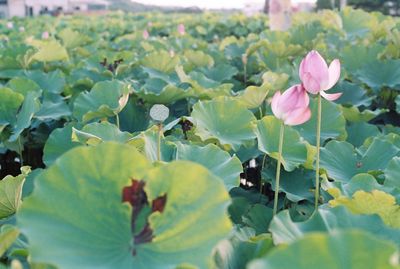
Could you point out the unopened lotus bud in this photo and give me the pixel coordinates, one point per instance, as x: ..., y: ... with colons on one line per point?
x: 244, y: 59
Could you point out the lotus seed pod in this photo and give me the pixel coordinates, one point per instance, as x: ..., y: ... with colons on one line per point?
x: 159, y: 113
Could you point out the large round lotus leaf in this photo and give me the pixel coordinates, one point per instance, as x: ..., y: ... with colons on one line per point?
x: 53, y: 82
x: 297, y: 185
x: 157, y: 91
x: 392, y: 173
x: 160, y: 61
x: 370, y: 202
x: 241, y: 248
x: 338, y: 250
x: 219, y: 162
x: 285, y: 230
x: 49, y: 51
x: 333, y: 123
x: 23, y: 85
x: 342, y: 161
x: 224, y: 119
x: 359, y: 131
x: 294, y: 150
x: 11, y: 193
x: 94, y: 133
x: 352, y: 94
x: 29, y: 107
x: 59, y: 142
x: 8, y: 234
x: 101, y: 102
x: 364, y: 182
x: 10, y: 102
x: 380, y: 74
x: 193, y: 221
x: 147, y: 143
x: 83, y: 220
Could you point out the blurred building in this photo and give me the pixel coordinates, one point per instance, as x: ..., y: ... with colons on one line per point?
x: 22, y: 8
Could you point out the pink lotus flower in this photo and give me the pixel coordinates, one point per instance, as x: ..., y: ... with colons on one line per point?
x: 292, y: 106
x: 181, y: 29
x: 10, y: 25
x: 146, y: 34
x: 45, y: 35
x: 317, y: 77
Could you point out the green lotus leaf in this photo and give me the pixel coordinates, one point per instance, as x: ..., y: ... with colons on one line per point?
x: 241, y: 248
x: 55, y: 109
x: 285, y: 230
x: 49, y: 51
x: 342, y: 161
x: 364, y: 182
x: 160, y: 60
x: 352, y: 94
x: 356, y: 22
x: 204, y: 87
x: 10, y: 102
x: 134, y: 117
x: 147, y: 143
x: 380, y: 74
x: 28, y: 109
x: 294, y: 152
x: 95, y: 133
x: 276, y: 81
x: 157, y: 91
x: 359, y: 131
x: 220, y: 72
x: 183, y: 231
x: 101, y: 102
x: 52, y: 82
x: 69, y: 196
x: 59, y: 142
x: 253, y: 96
x: 72, y: 39
x: 345, y: 249
x: 197, y: 59
x: 219, y: 162
x: 353, y: 53
x: 23, y: 85
x: 214, y: 120
x: 333, y: 123
x: 392, y: 173
x: 297, y: 185
x: 11, y: 193
x: 353, y: 114
x: 8, y: 234
x: 374, y: 202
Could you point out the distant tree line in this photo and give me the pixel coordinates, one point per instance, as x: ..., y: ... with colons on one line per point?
x: 389, y: 7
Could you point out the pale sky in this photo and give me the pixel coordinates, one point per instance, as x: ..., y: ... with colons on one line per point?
x: 210, y: 3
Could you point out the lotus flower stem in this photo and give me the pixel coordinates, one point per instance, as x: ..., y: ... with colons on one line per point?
x: 21, y: 148
x: 159, y: 142
x: 278, y: 168
x: 117, y: 120
x: 319, y: 116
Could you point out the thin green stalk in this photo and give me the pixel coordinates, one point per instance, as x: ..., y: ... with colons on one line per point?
x: 319, y: 116
x: 117, y: 120
x: 159, y: 142
x: 278, y: 168
x: 20, y: 151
